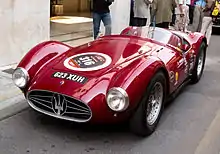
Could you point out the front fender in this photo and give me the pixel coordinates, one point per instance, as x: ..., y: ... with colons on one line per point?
x: 40, y: 55
x: 196, y: 39
x: 135, y: 77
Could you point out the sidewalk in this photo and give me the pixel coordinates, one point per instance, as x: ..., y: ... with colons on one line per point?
x: 12, y: 100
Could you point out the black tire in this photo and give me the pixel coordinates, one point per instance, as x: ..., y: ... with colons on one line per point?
x: 195, y: 77
x: 138, y: 122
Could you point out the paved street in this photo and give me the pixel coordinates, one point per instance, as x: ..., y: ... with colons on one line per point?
x: 190, y: 125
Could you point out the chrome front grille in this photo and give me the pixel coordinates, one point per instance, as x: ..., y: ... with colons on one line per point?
x: 59, y: 106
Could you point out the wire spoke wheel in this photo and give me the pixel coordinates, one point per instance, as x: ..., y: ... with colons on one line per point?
x: 154, y: 103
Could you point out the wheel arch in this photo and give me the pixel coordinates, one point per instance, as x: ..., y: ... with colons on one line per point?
x: 41, y: 55
x: 165, y: 72
x: 199, y: 42
x: 136, y: 82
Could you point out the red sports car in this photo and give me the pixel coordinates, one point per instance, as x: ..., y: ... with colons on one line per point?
x: 126, y: 77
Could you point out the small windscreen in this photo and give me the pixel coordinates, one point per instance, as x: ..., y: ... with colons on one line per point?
x: 159, y: 34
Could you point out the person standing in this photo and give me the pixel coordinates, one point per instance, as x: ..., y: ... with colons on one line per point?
x: 207, y: 19
x: 101, y: 12
x: 142, y: 12
x: 182, y: 15
x: 197, y: 17
x: 162, y: 11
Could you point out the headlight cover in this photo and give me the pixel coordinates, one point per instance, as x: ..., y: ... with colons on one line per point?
x: 117, y: 99
x: 20, y: 77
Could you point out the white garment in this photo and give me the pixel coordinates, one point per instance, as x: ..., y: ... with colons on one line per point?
x: 188, y: 2
x: 182, y: 22
x: 180, y: 2
x: 141, y: 9
x: 207, y: 28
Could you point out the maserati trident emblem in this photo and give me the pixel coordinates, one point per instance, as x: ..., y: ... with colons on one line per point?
x: 59, y: 104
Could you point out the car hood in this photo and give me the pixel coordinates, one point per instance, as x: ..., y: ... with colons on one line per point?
x: 98, y: 57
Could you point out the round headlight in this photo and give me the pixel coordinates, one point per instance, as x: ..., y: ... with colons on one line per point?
x: 117, y: 99
x: 20, y: 77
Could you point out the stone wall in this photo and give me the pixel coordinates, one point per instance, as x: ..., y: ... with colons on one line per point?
x: 24, y: 23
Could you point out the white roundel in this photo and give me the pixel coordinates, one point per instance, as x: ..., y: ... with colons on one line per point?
x: 91, y: 61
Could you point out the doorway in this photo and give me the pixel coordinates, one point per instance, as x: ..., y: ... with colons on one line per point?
x: 70, y: 19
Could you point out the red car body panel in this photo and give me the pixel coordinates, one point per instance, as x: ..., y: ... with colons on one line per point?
x: 134, y: 61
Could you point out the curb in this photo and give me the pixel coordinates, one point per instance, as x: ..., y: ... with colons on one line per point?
x: 12, y: 100
x: 12, y: 106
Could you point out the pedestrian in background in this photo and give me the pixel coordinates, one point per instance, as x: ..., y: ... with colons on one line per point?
x: 207, y: 19
x: 182, y: 15
x: 162, y: 11
x: 197, y: 18
x: 191, y: 6
x: 142, y: 12
x: 173, y: 18
x: 101, y: 12
x: 132, y: 14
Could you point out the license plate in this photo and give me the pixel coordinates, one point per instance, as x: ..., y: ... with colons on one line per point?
x: 69, y: 76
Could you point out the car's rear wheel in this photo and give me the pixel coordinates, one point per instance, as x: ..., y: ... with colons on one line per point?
x: 145, y: 119
x: 200, y: 63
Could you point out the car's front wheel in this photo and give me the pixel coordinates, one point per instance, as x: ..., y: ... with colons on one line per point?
x: 200, y: 63
x: 145, y: 119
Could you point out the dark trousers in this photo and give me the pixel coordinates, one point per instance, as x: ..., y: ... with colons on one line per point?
x: 191, y: 13
x: 139, y: 22
x: 132, y: 19
x: 163, y: 25
x: 173, y: 18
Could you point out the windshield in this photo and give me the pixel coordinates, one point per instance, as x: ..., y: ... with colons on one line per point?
x: 159, y: 34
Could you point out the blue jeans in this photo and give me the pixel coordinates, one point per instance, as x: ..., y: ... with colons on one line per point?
x: 106, y: 19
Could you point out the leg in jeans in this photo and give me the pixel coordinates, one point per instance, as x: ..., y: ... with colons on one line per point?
x: 96, y: 24
x: 106, y: 19
x: 207, y: 28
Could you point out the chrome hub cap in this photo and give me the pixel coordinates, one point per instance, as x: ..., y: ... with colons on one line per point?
x: 154, y: 103
x: 200, y: 64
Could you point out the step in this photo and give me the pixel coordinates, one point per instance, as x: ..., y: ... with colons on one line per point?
x: 72, y: 36
x: 68, y: 32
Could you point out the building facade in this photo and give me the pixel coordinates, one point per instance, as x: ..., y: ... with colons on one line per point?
x: 25, y: 23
